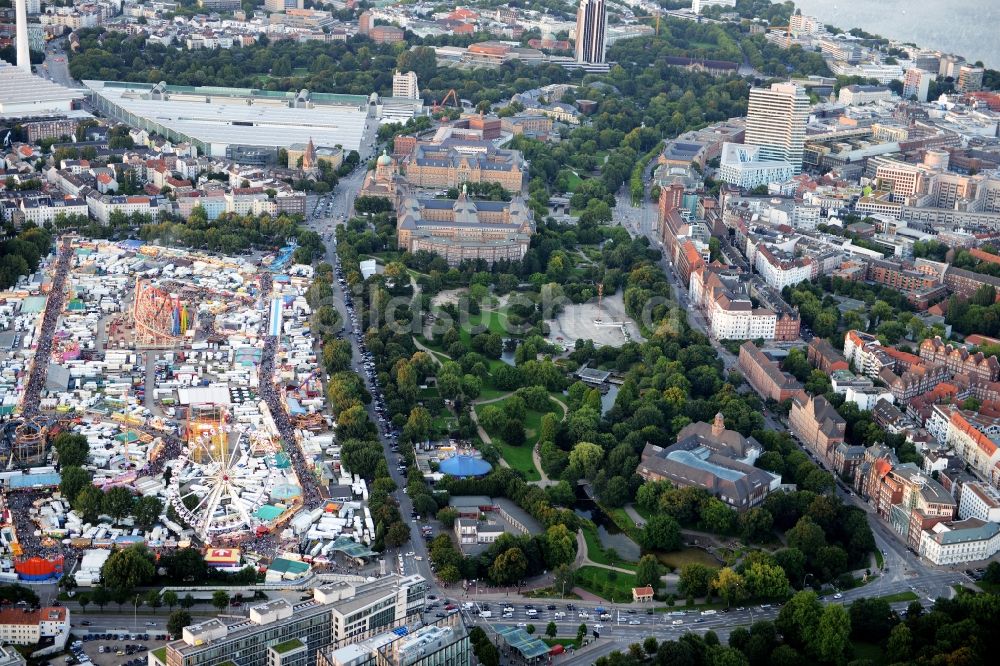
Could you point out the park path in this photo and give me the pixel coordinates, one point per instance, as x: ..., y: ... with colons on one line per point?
x: 536, y: 457
x: 424, y: 348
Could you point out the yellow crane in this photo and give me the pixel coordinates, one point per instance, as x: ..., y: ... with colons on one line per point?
x: 652, y: 16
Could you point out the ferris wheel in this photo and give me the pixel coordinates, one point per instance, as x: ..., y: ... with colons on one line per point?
x: 218, y: 487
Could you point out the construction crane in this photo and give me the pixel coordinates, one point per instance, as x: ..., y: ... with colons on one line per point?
x: 652, y: 16
x: 452, y: 95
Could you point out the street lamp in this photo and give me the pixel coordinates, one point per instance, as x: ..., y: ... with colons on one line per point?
x: 135, y: 612
x: 804, y: 580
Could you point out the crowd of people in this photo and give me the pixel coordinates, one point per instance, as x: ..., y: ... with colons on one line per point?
x: 29, y: 537
x: 43, y: 349
x: 312, y: 495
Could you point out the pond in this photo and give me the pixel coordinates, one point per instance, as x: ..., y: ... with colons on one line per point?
x: 608, y: 533
x: 608, y: 399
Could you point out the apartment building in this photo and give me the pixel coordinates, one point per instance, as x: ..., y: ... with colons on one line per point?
x: 958, y: 542
x: 979, y: 501
x: 865, y: 354
x: 39, y: 209
x: 965, y: 283
x: 776, y: 121
x: 958, y: 360
x: 779, y: 269
x: 823, y: 356
x: 404, y: 85
x: 916, y: 83
x: 765, y: 376
x: 970, y: 79
x: 914, y: 381
x: 26, y: 627
x: 338, y: 613
x: 815, y: 423
x: 975, y: 447
x: 729, y: 311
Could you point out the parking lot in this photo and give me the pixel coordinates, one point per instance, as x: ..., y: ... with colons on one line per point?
x: 119, y: 649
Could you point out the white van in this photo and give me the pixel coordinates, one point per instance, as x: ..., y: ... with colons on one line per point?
x: 709, y: 612
x: 486, y: 614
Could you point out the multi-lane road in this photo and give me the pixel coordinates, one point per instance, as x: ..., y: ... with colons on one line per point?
x: 337, y: 208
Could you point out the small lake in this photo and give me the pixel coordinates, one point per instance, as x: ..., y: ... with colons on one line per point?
x: 608, y: 399
x: 607, y: 531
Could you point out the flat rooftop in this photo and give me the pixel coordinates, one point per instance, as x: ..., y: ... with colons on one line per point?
x: 219, y: 117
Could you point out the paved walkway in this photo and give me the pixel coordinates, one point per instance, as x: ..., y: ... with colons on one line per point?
x: 424, y: 348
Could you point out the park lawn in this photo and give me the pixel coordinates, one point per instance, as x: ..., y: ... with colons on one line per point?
x: 491, y: 393
x: 519, y: 458
x: 565, y: 642
x: 615, y: 586
x: 879, y: 559
x: 443, y: 424
x: 572, y: 180
x: 681, y: 558
x: 487, y: 321
x: 908, y: 595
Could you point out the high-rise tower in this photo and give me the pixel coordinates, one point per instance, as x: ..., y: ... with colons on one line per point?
x: 590, y: 20
x: 776, y: 121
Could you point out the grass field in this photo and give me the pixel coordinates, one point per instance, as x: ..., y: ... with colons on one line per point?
x: 614, y: 586
x: 879, y: 560
x: 572, y: 180
x: 519, y: 457
x: 908, y: 595
x: 565, y: 642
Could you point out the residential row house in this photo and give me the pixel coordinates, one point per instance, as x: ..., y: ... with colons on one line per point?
x: 958, y: 360
x: 765, y: 375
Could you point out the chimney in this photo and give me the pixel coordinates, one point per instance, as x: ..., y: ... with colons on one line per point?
x: 23, y: 57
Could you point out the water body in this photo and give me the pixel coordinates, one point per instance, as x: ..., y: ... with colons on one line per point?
x: 608, y: 533
x: 964, y: 27
x: 608, y: 399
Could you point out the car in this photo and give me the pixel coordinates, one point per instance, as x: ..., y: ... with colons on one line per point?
x: 699, y: 621
x: 86, y: 623
x: 521, y: 625
x: 634, y: 622
x: 150, y: 624
x: 838, y: 596
x: 450, y: 607
x: 677, y: 622
x: 551, y: 607
x: 440, y: 615
x: 583, y: 616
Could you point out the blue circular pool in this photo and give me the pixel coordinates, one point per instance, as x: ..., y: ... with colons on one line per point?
x: 463, y: 466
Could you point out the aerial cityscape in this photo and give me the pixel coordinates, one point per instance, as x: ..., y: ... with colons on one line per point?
x: 614, y: 332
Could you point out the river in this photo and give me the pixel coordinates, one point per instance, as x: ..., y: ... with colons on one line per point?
x: 964, y: 27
